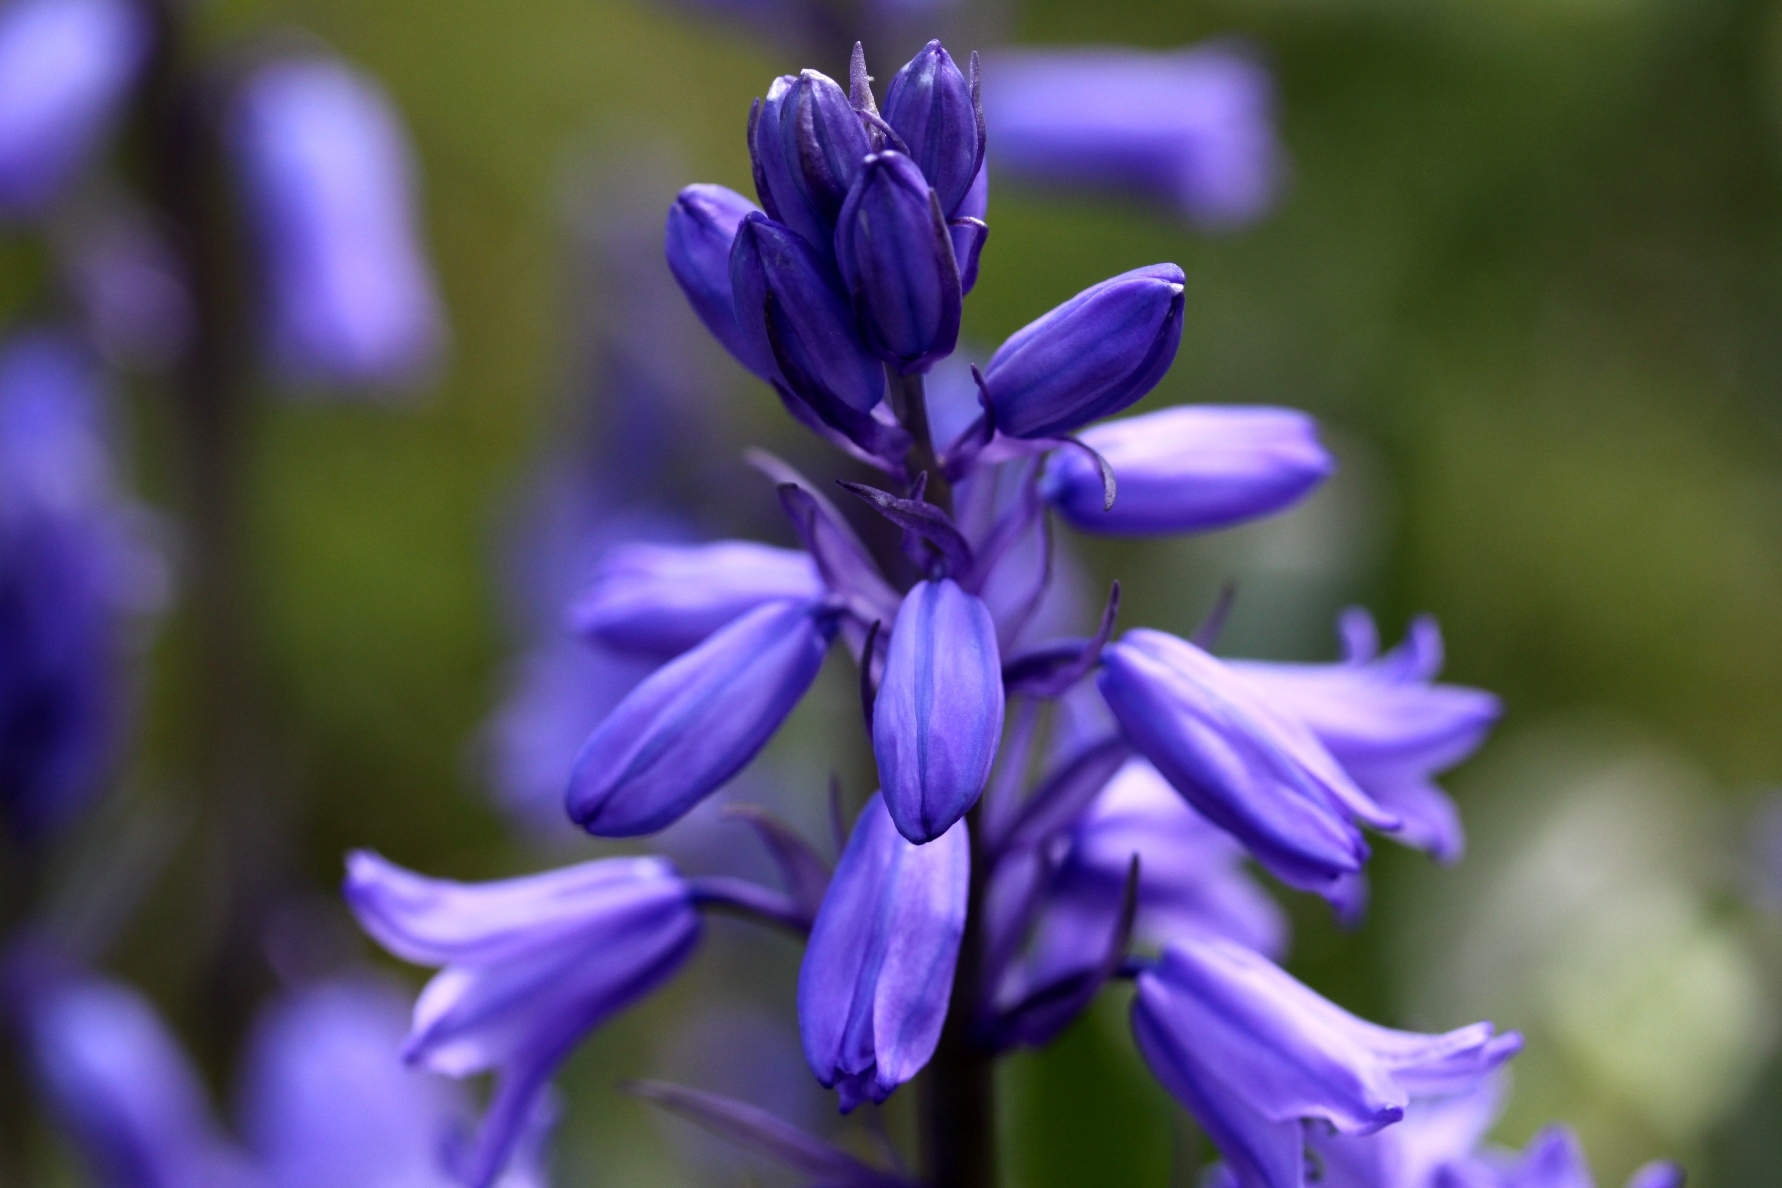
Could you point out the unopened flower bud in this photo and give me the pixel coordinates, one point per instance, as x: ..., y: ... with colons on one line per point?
x: 934, y: 108
x: 896, y: 258
x: 702, y: 226
x: 807, y: 143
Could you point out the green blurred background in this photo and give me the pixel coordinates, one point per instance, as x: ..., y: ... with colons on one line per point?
x: 1528, y: 272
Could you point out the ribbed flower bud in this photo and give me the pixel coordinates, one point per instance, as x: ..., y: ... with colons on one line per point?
x: 790, y: 309
x: 896, y: 258
x: 934, y: 108
x: 696, y: 721
x: 1091, y: 357
x: 878, y: 973
x: 807, y: 143
x: 937, y: 720
x: 702, y: 226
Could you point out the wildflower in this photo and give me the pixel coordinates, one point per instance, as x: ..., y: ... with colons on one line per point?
x: 808, y: 145
x: 528, y: 966
x: 896, y: 257
x: 934, y: 109
x: 878, y: 972
x: 702, y: 226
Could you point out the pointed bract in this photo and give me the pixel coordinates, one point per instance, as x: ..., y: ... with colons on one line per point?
x: 1190, y: 469
x: 697, y: 720
x: 665, y: 598
x: 896, y: 258
x: 1254, y: 1055
x: 878, y: 973
x: 938, y: 718
x: 528, y: 966
x: 1091, y: 357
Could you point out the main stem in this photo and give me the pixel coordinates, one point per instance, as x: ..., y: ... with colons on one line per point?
x: 959, y: 1092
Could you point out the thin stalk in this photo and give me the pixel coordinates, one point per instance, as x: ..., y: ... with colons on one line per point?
x: 909, y: 399
x: 181, y: 107
x: 959, y: 1103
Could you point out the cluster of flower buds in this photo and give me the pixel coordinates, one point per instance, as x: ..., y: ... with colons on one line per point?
x: 1163, y: 766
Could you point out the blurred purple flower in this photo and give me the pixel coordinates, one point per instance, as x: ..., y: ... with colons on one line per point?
x: 1260, y: 1059
x: 327, y: 177
x: 112, y: 1074
x: 66, y: 67
x: 1553, y: 1159
x: 1387, y: 723
x: 73, y: 566
x: 1194, y: 127
x: 132, y: 293
x: 528, y: 966
x: 878, y: 972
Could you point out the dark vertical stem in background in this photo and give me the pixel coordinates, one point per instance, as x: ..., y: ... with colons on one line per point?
x: 21, y: 885
x: 182, y: 126
x: 959, y: 1102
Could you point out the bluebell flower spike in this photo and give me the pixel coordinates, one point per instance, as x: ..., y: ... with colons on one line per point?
x: 1254, y: 1055
x: 1096, y: 354
x: 663, y: 599
x: 1253, y: 771
x: 936, y: 110
x: 701, y: 230
x: 1196, y: 468
x: 896, y: 257
x: 937, y: 721
x: 697, y: 721
x: 877, y: 976
x: 528, y: 966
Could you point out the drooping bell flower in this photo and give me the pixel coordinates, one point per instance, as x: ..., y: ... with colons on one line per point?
x: 73, y: 568
x: 896, y: 258
x: 1190, y: 469
x: 1255, y: 772
x: 697, y: 721
x: 878, y: 971
x: 528, y: 966
x: 702, y: 226
x: 328, y: 1100
x: 66, y: 67
x: 1437, y: 1139
x: 807, y: 144
x: 1192, y: 880
x: 327, y: 177
x: 1258, y: 1058
x: 666, y: 598
x: 934, y: 108
x: 790, y: 309
x: 1193, y: 128
x: 937, y: 719
x: 116, y: 1079
x: 1089, y: 358
x: 1386, y: 721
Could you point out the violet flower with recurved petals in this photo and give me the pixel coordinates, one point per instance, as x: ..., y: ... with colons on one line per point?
x: 1189, y: 469
x: 1252, y: 770
x: 66, y: 67
x: 1258, y: 1058
x: 1194, y: 128
x: 938, y: 716
x: 666, y: 598
x: 528, y: 967
x: 1387, y: 723
x: 878, y: 972
x: 327, y: 178
x: 697, y: 720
